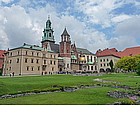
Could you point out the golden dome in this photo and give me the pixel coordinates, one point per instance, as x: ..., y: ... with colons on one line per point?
x: 82, y: 59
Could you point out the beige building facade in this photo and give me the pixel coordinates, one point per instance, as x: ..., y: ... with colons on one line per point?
x: 103, y: 62
x: 30, y: 60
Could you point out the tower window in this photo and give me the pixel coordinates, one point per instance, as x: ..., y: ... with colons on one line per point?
x: 50, y: 34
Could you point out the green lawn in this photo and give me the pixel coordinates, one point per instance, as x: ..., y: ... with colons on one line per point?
x: 14, y: 85
x: 84, y: 96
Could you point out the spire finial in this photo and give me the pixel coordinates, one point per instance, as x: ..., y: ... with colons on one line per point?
x: 48, y: 17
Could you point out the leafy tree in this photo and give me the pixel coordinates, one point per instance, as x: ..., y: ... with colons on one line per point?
x: 111, y: 65
x: 138, y: 68
x: 127, y: 63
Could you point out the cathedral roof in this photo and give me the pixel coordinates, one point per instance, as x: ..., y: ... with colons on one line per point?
x: 54, y: 47
x: 84, y: 51
x: 65, y: 33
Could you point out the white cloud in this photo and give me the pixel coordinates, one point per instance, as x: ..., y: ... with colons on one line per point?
x: 120, y: 18
x: 99, y: 11
x: 20, y: 26
x: 122, y: 42
x: 129, y: 27
x: 24, y: 23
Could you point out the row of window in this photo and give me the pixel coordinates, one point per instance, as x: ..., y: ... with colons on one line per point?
x: 104, y: 60
x: 32, y: 54
x: 104, y: 65
x: 32, y: 68
x: 33, y: 60
x: 92, y: 68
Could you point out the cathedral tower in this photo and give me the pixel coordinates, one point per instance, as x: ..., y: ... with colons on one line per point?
x: 65, y: 44
x: 48, y: 36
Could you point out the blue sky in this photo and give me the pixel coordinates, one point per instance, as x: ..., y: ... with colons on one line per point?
x: 92, y: 24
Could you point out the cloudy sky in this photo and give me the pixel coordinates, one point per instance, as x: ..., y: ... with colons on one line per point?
x: 92, y: 24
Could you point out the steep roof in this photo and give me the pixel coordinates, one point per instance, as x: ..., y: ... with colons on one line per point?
x: 65, y: 33
x: 130, y: 51
x: 107, y: 52
x: 84, y: 51
x: 54, y: 47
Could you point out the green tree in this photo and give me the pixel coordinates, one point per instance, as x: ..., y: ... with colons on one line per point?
x: 111, y: 65
x: 138, y: 68
x: 127, y: 63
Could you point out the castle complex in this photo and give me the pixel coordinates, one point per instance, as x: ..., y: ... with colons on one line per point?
x: 50, y: 58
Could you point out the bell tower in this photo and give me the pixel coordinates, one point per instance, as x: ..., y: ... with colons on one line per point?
x: 48, y: 36
x: 65, y: 44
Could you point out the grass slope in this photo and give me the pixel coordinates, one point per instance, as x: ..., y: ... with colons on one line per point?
x: 82, y: 97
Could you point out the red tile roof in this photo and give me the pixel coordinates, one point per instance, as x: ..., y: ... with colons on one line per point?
x: 113, y: 52
x: 107, y: 52
x: 130, y: 51
x: 2, y: 53
x: 1, y: 58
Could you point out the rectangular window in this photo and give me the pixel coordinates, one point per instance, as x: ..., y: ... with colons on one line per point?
x: 51, y: 62
x: 91, y: 58
x: 44, y: 61
x: 37, y: 61
x: 38, y: 68
x: 18, y: 52
x: 52, y: 68
x: 101, y: 65
x: 54, y: 62
x: 87, y: 58
x: 10, y: 61
x: 107, y: 60
x: 43, y: 54
x: 88, y: 67
x: 95, y: 67
x: 32, y: 60
x: 107, y: 64
x: 91, y: 67
x: 26, y: 60
x: 11, y: 53
x: 37, y: 54
x: 32, y: 53
x: 100, y: 60
x: 27, y: 68
x: 26, y: 52
x: 10, y: 68
x: 32, y: 68
x: 104, y: 65
x: 104, y: 60
x: 54, y: 56
x: 17, y: 60
x: 67, y: 65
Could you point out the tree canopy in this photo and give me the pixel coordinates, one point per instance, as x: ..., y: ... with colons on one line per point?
x: 128, y: 63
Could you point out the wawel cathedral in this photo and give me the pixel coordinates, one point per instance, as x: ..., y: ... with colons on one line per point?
x: 50, y: 58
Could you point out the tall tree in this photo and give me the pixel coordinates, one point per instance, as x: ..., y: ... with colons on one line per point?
x: 111, y: 65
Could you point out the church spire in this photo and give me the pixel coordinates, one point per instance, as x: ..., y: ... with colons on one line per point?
x: 65, y: 37
x: 48, y: 32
